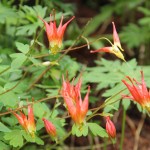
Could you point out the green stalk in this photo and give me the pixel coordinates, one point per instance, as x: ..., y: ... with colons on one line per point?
x: 105, y: 144
x: 123, y: 128
x: 37, y: 2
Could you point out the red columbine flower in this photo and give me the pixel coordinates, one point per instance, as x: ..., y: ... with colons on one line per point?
x: 54, y: 34
x: 50, y: 128
x: 27, y: 123
x: 110, y: 128
x: 72, y: 97
x: 139, y: 92
x: 115, y: 48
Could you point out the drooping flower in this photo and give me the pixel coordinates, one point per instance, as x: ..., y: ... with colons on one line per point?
x: 27, y: 123
x: 139, y: 92
x: 77, y: 107
x: 54, y: 34
x: 50, y: 128
x: 110, y: 128
x: 114, y: 48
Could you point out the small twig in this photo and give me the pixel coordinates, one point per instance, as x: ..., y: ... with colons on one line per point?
x: 71, y: 48
x: 138, y: 131
x: 88, y: 45
x: 40, y: 76
x: 5, y: 70
x: 15, y: 84
x: 74, y: 42
x: 131, y: 124
x: 107, y: 102
x: 25, y: 106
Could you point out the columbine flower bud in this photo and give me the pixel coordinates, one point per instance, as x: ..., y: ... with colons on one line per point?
x: 110, y: 128
x: 50, y: 128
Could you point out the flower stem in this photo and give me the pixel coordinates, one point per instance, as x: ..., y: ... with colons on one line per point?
x: 123, y: 128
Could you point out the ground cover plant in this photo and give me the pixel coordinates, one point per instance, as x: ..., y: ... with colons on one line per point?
x: 73, y: 81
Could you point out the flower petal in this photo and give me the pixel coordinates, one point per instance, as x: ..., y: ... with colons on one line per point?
x: 116, y: 37
x: 104, y: 49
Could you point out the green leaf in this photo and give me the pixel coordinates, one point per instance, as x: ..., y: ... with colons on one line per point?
x: 3, y: 146
x: 41, y: 11
x: 29, y: 29
x: 52, y: 92
x: 73, y: 129
x: 15, y: 138
x: 144, y: 21
x: 1, y: 105
x: 27, y: 136
x: 18, y: 62
x: 126, y: 103
x: 41, y: 109
x: 81, y: 130
x: 11, y: 121
x: 4, y: 128
x: 39, y: 141
x: 97, y: 130
x: 39, y: 124
x: 36, y: 62
x: 31, y: 139
x: 70, y: 65
x: 76, y: 131
x: 24, y: 48
x: 113, y: 106
x: 7, y: 14
x: 9, y: 99
x: 85, y: 130
x: 133, y: 35
x: 145, y: 11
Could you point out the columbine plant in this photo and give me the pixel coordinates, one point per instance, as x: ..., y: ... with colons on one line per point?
x: 54, y: 34
x: 27, y: 123
x: 72, y: 97
x: 139, y: 92
x: 114, y: 48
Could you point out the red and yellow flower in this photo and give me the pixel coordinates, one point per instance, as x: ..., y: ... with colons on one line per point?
x: 54, y: 34
x: 114, y: 48
x: 27, y: 123
x: 110, y: 128
x: 50, y: 128
x: 139, y: 92
x: 77, y: 107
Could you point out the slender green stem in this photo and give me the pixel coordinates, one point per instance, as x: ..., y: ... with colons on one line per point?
x: 37, y: 2
x: 53, y: 108
x: 106, y: 40
x: 5, y: 70
x: 77, y: 39
x: 21, y: 3
x: 123, y: 128
x: 107, y: 102
x: 105, y: 144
